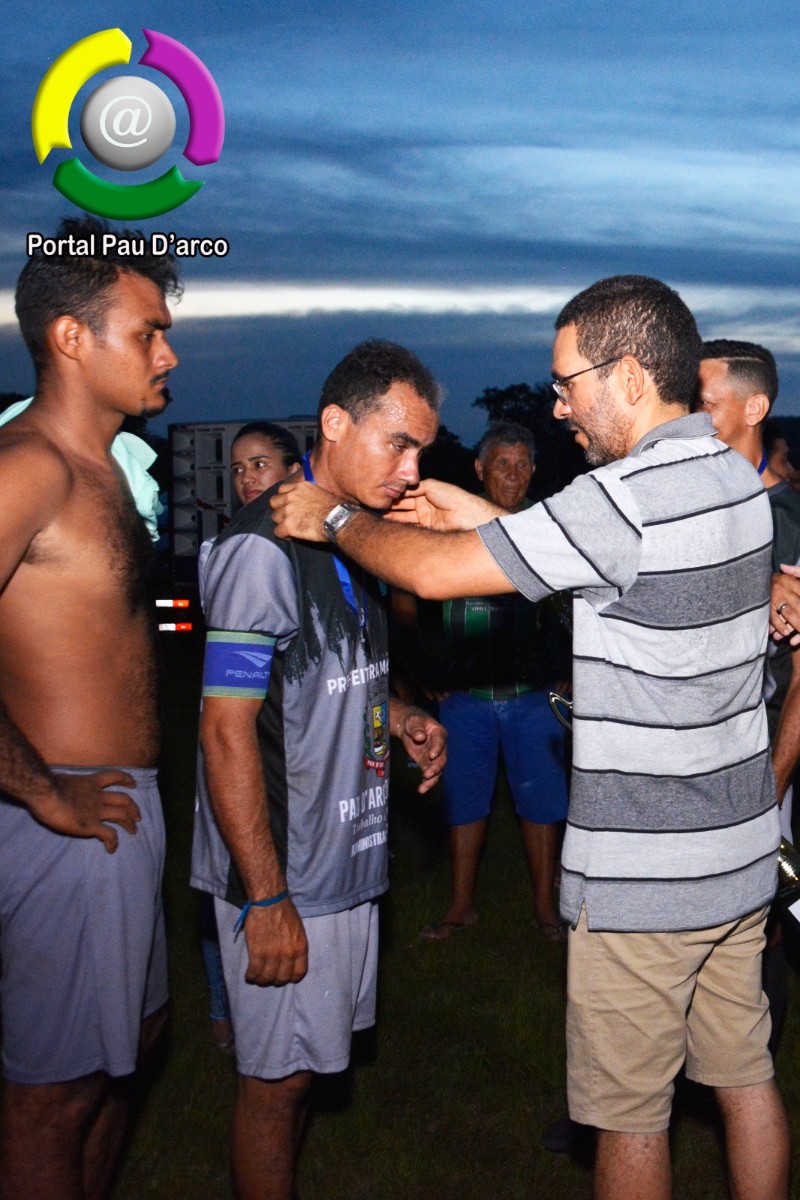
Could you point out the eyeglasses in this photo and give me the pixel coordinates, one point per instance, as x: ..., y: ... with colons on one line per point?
x: 563, y: 392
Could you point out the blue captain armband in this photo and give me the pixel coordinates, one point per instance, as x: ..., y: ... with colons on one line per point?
x: 237, y: 664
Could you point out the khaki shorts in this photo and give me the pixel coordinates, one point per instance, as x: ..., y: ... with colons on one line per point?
x: 639, y: 1005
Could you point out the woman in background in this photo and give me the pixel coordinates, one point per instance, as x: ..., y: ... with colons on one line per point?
x: 262, y: 454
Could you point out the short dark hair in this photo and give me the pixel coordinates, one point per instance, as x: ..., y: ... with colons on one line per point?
x: 749, y: 364
x: 634, y: 314
x: 52, y: 286
x: 505, y: 433
x: 358, y: 383
x: 281, y: 438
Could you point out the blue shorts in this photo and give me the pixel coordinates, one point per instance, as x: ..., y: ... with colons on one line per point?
x: 532, y: 742
x: 81, y: 941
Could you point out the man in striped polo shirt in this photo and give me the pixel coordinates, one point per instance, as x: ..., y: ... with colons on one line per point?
x: 669, y: 860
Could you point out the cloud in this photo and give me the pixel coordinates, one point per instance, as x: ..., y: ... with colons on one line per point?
x: 773, y: 311
x: 301, y: 300
x: 385, y: 133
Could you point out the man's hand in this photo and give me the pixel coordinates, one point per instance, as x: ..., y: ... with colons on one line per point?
x: 299, y: 510
x: 277, y: 945
x: 79, y: 806
x: 785, y: 605
x: 423, y: 738
x: 443, y: 507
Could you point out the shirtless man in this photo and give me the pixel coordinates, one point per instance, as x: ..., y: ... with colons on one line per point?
x: 81, y: 929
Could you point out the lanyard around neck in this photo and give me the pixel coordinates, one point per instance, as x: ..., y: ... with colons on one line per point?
x: 341, y: 570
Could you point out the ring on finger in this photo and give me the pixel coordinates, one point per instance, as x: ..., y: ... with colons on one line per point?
x: 781, y: 607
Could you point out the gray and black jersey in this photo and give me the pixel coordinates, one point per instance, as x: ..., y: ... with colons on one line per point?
x: 291, y: 620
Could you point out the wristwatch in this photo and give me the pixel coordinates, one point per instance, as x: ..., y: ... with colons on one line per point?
x: 337, y: 518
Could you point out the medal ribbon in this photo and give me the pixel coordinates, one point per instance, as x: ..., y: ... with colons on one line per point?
x: 378, y: 765
x: 341, y: 570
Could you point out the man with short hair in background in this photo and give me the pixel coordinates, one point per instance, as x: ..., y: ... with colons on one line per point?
x: 291, y: 826
x: 738, y: 387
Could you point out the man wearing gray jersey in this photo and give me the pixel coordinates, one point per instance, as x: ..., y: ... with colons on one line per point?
x: 290, y: 835
x: 670, y: 855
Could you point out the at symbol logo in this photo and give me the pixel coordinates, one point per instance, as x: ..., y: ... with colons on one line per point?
x: 127, y: 123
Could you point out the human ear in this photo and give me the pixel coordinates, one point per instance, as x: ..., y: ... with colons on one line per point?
x: 632, y: 378
x: 67, y: 336
x: 333, y: 422
x: 756, y: 408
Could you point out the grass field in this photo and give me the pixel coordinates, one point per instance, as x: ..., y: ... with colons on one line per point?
x: 446, y: 1099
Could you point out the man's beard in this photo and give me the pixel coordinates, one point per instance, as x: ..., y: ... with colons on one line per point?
x: 156, y: 409
x: 606, y: 434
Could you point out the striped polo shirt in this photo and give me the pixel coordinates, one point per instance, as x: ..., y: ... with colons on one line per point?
x: 672, y: 821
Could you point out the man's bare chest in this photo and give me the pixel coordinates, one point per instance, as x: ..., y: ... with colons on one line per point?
x: 97, y: 543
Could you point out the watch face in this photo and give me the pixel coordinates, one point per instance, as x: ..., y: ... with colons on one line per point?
x: 337, y: 518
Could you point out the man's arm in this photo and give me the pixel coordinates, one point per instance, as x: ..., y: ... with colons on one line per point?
x: 588, y: 535
x: 75, y: 805
x: 433, y: 565
x: 35, y: 484
x: 786, y: 748
x: 276, y: 940
x: 443, y: 507
x: 424, y: 739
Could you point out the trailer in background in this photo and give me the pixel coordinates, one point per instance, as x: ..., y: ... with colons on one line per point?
x: 202, y: 499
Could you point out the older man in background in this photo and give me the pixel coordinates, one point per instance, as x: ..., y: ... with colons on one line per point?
x: 502, y: 654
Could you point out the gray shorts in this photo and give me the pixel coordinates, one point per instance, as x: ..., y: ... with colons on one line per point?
x: 303, y: 1026
x: 82, y: 941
